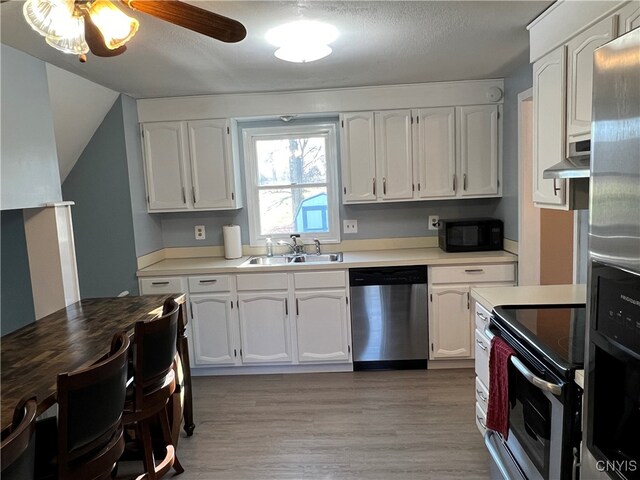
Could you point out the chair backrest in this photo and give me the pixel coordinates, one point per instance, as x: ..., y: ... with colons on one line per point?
x: 155, y: 350
x: 18, y: 446
x: 90, y: 403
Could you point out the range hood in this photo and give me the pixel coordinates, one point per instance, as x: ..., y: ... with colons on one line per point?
x: 576, y: 165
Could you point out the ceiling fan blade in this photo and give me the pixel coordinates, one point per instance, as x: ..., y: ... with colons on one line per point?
x: 94, y: 39
x: 194, y: 18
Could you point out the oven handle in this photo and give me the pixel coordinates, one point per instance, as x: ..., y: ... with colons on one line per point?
x: 536, y: 381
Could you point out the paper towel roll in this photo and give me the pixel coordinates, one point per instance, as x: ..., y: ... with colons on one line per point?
x: 232, y: 241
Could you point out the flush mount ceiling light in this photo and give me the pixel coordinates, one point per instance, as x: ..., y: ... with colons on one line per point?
x: 302, y: 41
x: 99, y: 26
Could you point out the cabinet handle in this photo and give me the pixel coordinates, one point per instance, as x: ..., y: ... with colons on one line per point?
x: 235, y: 352
x: 454, y: 182
x: 159, y: 283
x: 483, y: 317
x: 184, y: 196
x: 286, y: 307
x: 482, y: 396
x: 208, y: 281
x: 193, y: 192
x: 345, y: 190
x: 297, y: 308
x: 473, y: 270
x: 481, y: 422
x: 468, y: 300
x: 555, y: 188
x: 481, y: 345
x: 384, y: 185
x: 464, y: 181
x: 374, y: 186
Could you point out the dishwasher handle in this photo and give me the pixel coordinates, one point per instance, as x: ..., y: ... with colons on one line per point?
x: 361, y: 277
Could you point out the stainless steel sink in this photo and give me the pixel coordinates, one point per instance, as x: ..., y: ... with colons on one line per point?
x: 325, y: 257
x: 294, y: 259
x: 268, y: 260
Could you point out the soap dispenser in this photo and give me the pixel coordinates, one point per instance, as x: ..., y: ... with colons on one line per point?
x: 269, y: 244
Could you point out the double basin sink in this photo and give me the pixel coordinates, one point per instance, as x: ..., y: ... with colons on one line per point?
x: 295, y: 259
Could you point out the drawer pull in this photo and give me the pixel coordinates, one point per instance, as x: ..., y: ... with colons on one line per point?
x: 482, y: 396
x: 159, y: 283
x: 481, y: 345
x: 208, y: 281
x: 474, y: 270
x: 481, y: 422
x: 483, y: 317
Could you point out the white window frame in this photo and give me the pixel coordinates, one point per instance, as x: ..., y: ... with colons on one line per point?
x: 249, y: 136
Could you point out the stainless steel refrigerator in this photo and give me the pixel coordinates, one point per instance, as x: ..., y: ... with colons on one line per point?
x: 610, y: 447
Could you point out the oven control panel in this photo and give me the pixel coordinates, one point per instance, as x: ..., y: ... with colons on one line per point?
x: 618, y: 307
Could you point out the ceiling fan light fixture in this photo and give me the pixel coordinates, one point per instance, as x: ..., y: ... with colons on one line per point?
x: 302, y: 41
x: 50, y: 18
x: 116, y: 27
x: 74, y: 42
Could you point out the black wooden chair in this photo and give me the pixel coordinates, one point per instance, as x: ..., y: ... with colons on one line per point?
x: 18, y: 443
x: 88, y: 435
x: 154, y: 382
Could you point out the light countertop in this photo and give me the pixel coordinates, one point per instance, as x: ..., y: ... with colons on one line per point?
x: 490, y: 297
x: 371, y: 258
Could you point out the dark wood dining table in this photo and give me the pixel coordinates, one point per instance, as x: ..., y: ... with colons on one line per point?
x: 71, y: 338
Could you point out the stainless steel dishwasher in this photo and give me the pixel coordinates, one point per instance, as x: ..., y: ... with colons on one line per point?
x: 389, y: 317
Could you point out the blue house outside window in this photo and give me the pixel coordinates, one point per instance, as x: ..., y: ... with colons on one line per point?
x: 312, y: 215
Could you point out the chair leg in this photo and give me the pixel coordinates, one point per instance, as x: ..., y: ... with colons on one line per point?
x: 149, y: 463
x: 166, y: 433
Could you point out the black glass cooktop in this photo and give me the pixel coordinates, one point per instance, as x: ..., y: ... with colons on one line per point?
x: 555, y: 331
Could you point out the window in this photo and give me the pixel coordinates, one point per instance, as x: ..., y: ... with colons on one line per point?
x: 291, y: 177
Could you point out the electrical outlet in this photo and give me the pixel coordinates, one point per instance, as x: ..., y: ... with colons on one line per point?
x: 433, y: 222
x: 350, y: 226
x: 200, y: 232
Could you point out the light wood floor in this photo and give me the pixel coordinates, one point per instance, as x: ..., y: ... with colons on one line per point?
x: 392, y: 425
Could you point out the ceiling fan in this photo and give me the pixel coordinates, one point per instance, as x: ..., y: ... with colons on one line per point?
x: 99, y: 26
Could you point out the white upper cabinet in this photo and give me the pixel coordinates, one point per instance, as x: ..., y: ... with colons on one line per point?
x: 165, y: 152
x: 479, y: 156
x: 190, y: 166
x: 394, y: 154
x: 580, y: 76
x: 435, y: 157
x: 358, y: 157
x: 629, y: 17
x: 548, y: 129
x: 212, y: 174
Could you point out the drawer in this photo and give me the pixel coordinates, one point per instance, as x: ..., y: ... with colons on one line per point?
x: 481, y: 419
x: 333, y: 279
x: 473, y: 274
x: 482, y: 394
x: 482, y: 346
x: 211, y: 283
x: 482, y: 317
x: 263, y: 281
x: 162, y: 285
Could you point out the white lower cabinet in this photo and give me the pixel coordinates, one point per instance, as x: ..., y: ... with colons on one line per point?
x: 322, y: 325
x: 482, y: 349
x: 265, y: 331
x: 214, y: 327
x: 451, y: 324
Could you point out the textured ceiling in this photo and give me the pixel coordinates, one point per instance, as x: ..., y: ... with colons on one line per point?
x: 380, y: 43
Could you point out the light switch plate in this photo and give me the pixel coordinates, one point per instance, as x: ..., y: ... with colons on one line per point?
x: 200, y: 232
x: 350, y: 226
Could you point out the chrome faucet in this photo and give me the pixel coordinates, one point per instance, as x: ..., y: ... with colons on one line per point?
x: 317, y: 242
x: 296, y: 245
x: 292, y: 247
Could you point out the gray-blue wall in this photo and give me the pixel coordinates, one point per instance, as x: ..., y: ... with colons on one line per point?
x: 16, y: 296
x: 102, y: 218
x: 507, y: 210
x: 28, y: 157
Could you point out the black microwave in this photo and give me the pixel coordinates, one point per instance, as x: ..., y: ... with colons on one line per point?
x: 470, y: 235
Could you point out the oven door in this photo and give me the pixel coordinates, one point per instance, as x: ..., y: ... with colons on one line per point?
x: 536, y: 420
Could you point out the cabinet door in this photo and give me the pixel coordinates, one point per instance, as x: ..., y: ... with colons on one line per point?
x: 478, y: 134
x: 211, y: 164
x: 214, y: 329
x: 357, y: 144
x: 629, y: 17
x: 264, y: 327
x: 450, y: 322
x: 548, y: 126
x: 394, y: 154
x: 436, y: 152
x: 322, y: 324
x: 580, y: 71
x: 165, y: 153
